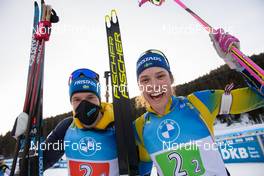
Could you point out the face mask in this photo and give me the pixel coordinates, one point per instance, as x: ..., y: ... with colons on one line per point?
x: 87, y: 112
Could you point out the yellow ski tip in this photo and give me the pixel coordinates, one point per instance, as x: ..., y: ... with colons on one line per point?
x: 107, y: 21
x: 114, y: 16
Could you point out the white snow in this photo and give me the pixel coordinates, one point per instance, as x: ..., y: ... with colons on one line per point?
x: 249, y: 169
x: 56, y: 172
x: 234, y: 128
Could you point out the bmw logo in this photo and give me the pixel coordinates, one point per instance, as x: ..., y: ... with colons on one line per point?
x: 87, y: 146
x: 168, y: 130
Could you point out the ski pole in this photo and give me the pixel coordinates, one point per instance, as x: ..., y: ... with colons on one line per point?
x: 107, y: 74
x: 243, y: 60
x: 251, y: 71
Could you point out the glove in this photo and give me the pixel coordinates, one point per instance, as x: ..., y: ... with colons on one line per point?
x: 222, y: 43
x: 155, y: 2
x: 20, y: 125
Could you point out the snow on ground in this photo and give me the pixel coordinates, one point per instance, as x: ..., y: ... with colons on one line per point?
x: 56, y: 172
x: 249, y: 169
x: 221, y: 129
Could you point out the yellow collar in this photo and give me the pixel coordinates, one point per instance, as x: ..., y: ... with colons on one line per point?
x: 167, y: 109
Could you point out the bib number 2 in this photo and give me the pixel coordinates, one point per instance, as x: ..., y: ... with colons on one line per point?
x: 178, y: 167
x: 178, y: 171
x: 181, y: 163
x: 87, y: 169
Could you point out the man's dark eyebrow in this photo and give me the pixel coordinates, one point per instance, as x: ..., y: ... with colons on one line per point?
x: 90, y: 96
x: 75, y: 98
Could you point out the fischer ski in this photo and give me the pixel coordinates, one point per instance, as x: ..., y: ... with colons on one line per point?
x: 28, y: 144
x: 127, y: 152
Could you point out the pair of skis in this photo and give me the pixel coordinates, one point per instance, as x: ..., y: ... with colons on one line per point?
x: 127, y: 153
x: 31, y: 159
x: 251, y: 71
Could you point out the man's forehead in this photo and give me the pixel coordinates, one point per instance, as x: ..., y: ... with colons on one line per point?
x: 83, y: 94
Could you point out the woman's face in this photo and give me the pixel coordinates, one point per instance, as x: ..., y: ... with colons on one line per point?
x: 80, y: 96
x: 155, y: 85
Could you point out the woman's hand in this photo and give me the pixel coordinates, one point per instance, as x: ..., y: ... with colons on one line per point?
x: 223, y: 42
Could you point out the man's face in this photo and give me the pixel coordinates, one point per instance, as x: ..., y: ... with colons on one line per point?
x: 80, y: 96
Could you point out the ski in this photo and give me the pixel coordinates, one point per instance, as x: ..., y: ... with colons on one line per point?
x: 33, y: 51
x: 28, y: 144
x: 127, y: 153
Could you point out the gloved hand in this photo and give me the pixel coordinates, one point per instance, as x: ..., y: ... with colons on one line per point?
x: 155, y: 2
x: 222, y: 43
x: 20, y: 125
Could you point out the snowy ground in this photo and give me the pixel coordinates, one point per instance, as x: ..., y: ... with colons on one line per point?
x: 248, y: 169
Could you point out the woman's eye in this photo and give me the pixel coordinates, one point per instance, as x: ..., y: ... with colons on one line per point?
x: 144, y: 81
x: 160, y: 76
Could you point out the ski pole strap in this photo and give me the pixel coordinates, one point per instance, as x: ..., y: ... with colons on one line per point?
x: 226, y: 103
x: 226, y: 100
x: 43, y: 30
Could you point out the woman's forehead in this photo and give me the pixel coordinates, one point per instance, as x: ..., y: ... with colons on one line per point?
x: 152, y: 71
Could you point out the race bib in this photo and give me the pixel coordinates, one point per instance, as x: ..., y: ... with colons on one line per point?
x: 181, y: 162
x: 88, y: 169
